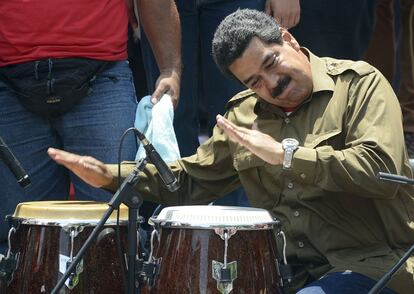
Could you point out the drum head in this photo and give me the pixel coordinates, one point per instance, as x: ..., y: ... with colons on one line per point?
x: 210, y: 217
x: 65, y: 212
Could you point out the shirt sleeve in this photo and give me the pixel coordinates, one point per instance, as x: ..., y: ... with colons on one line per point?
x: 203, y: 177
x: 373, y: 142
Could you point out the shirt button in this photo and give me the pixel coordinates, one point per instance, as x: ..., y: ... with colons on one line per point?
x: 301, y: 244
x: 290, y: 185
x: 303, y: 176
x: 287, y: 120
x: 296, y: 213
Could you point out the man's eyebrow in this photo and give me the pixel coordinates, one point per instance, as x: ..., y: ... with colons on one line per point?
x: 264, y: 62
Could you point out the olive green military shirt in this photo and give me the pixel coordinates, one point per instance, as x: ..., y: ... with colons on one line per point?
x: 335, y: 213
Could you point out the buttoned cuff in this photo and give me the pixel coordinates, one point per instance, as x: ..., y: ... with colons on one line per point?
x: 304, y: 164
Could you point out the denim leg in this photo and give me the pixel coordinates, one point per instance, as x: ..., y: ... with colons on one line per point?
x: 28, y: 136
x: 342, y: 283
x: 94, y: 127
x: 186, y: 122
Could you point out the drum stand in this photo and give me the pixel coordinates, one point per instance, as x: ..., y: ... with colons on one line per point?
x: 388, y: 275
x: 133, y: 200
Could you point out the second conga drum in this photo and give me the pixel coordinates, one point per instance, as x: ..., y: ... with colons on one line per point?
x: 215, y: 249
x: 46, y: 235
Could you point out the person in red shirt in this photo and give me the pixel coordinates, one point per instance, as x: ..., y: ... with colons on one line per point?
x: 65, y: 82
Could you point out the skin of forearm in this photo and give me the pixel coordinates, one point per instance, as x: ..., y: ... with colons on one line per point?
x: 161, y: 24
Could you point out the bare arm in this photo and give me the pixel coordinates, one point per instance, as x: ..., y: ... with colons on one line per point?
x: 89, y: 169
x: 161, y: 24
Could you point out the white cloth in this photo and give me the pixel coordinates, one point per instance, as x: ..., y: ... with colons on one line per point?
x: 156, y: 123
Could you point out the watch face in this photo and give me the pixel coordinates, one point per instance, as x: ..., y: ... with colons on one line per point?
x: 290, y: 143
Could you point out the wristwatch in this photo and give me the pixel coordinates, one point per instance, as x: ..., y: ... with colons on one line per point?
x: 289, y: 145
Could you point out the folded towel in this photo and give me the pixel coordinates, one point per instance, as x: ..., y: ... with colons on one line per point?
x: 156, y: 123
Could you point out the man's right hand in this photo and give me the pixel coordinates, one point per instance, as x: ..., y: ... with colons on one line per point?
x: 89, y: 169
x: 286, y: 12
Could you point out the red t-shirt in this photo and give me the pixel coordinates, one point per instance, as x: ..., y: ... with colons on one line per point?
x: 38, y: 29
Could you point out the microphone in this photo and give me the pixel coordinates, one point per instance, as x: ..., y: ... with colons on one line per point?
x: 154, y: 157
x: 14, y: 165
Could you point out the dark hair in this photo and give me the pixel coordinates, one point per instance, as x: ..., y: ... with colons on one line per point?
x: 235, y: 32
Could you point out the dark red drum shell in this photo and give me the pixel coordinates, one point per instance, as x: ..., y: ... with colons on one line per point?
x: 187, y: 256
x: 38, y: 268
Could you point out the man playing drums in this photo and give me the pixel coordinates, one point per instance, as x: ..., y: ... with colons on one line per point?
x: 306, y: 141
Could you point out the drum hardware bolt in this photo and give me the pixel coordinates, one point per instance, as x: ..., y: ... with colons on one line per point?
x: 221, y: 231
x: 224, y: 273
x: 73, y: 279
x: 13, y: 223
x: 72, y: 229
x: 285, y: 269
x: 9, y: 263
x: 153, y: 234
x: 147, y: 271
x: 286, y: 273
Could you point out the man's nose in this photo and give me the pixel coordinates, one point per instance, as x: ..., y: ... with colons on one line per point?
x: 271, y: 80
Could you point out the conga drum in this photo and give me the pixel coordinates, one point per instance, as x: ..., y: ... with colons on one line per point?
x: 46, y: 235
x: 214, y: 249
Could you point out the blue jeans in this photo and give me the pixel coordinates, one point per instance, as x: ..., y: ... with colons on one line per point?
x: 93, y: 127
x: 201, y: 81
x: 342, y: 283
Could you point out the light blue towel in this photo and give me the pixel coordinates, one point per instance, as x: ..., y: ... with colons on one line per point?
x: 156, y: 123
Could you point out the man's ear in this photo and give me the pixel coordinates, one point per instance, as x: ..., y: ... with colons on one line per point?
x: 288, y: 38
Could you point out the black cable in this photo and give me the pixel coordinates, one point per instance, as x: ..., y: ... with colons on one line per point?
x: 117, y: 229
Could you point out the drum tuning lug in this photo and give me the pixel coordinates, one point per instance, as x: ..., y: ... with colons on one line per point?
x: 286, y: 273
x: 147, y: 271
x: 73, y: 279
x: 223, y: 231
x: 224, y: 275
x: 8, y: 264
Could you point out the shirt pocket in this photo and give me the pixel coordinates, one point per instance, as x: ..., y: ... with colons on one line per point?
x: 247, y: 160
x: 259, y: 179
x: 362, y: 254
x: 328, y: 138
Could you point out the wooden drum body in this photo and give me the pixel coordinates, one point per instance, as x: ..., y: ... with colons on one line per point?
x: 46, y: 235
x: 215, y: 249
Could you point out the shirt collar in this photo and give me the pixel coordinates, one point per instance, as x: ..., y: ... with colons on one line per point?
x: 322, y: 81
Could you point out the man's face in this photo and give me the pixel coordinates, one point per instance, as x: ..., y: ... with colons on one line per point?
x: 279, y: 74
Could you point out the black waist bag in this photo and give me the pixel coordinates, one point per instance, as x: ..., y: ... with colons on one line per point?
x: 51, y: 87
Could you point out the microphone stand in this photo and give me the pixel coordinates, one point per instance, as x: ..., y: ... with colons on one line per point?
x: 133, y: 200
x: 388, y: 275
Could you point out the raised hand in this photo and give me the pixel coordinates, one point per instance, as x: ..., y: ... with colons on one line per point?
x: 89, y: 169
x: 257, y: 142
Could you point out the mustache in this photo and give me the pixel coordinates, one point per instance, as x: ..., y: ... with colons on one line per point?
x: 283, y: 82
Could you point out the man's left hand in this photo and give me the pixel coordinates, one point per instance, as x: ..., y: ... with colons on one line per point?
x: 257, y: 142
